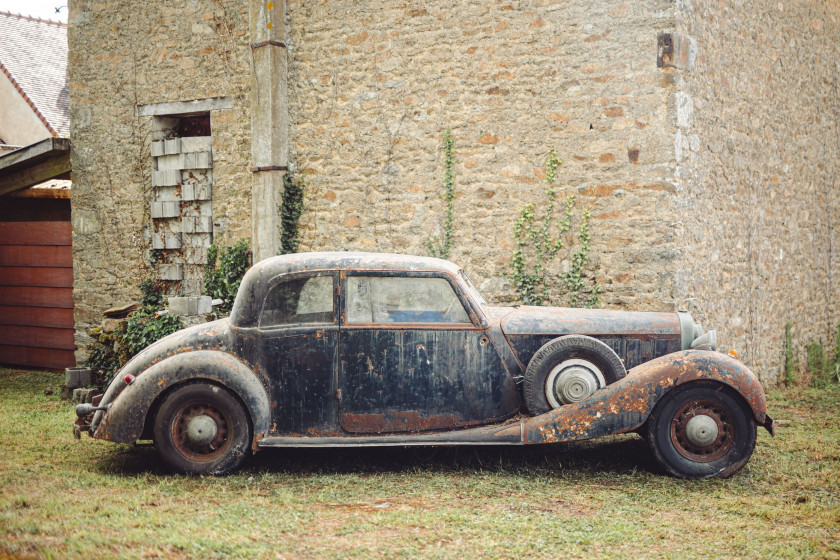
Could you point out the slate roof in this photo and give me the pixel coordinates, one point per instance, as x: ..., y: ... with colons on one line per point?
x: 33, y: 55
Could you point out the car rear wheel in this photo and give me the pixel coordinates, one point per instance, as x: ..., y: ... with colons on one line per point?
x: 700, y: 431
x: 202, y: 429
x: 569, y: 369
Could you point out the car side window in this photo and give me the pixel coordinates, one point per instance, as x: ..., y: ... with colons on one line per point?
x: 307, y: 299
x: 394, y: 299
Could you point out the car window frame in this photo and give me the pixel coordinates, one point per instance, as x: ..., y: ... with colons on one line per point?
x: 334, y: 274
x: 476, y: 318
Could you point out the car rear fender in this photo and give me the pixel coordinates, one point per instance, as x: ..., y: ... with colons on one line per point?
x: 626, y: 404
x: 126, y: 416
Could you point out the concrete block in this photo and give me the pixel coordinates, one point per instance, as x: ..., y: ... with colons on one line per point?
x: 157, y: 240
x: 173, y: 146
x: 196, y: 144
x: 158, y: 148
x: 166, y: 209
x: 170, y: 271
x: 166, y: 178
x: 167, y: 194
x: 198, y: 160
x: 171, y: 240
x: 188, y: 224
x: 192, y: 286
x: 193, y: 190
x: 174, y: 161
x: 204, y: 224
x: 81, y: 377
x: 190, y: 305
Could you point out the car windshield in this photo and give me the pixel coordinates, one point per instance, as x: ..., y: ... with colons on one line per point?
x: 473, y: 290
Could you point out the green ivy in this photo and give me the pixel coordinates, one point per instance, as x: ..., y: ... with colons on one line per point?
x: 111, y: 351
x: 290, y: 211
x: 435, y: 246
x: 538, y: 242
x: 222, y: 279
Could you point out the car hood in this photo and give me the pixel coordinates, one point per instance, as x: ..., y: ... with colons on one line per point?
x: 559, y: 321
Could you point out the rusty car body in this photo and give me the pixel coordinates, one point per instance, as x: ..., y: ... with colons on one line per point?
x: 363, y: 349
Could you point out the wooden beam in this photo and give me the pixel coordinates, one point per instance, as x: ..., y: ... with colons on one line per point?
x: 57, y: 167
x: 33, y: 164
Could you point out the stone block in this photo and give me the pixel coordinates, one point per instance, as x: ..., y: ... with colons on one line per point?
x: 196, y: 144
x: 173, y: 146
x: 190, y: 305
x: 80, y: 377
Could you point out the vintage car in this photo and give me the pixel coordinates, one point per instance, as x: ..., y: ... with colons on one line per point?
x: 360, y: 349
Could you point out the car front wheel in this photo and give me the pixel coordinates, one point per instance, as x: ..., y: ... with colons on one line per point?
x: 701, y: 431
x: 202, y: 429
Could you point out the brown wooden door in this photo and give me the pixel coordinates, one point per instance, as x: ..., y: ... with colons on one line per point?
x: 36, y: 294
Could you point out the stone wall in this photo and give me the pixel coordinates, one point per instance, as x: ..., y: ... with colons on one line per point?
x: 757, y: 145
x: 712, y: 188
x: 122, y: 58
x: 374, y: 85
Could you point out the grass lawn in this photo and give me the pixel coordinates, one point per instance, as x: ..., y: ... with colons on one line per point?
x: 62, y: 498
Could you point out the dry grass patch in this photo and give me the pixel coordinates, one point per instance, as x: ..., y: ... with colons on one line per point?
x: 66, y: 499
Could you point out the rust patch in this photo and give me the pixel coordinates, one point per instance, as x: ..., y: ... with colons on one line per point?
x: 626, y: 404
x: 399, y: 421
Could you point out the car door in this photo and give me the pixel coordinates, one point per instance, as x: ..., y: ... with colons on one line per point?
x: 412, y: 360
x: 297, y: 339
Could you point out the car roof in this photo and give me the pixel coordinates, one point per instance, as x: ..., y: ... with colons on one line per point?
x: 346, y: 260
x: 258, y: 279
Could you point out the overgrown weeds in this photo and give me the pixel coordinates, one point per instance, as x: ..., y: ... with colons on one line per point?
x: 66, y: 499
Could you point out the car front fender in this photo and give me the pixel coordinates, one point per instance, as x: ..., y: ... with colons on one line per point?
x: 126, y: 416
x: 626, y: 404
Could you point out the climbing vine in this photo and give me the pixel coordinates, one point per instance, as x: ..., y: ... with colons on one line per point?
x: 222, y: 279
x: 435, y: 246
x: 110, y: 351
x: 539, y: 240
x: 290, y: 211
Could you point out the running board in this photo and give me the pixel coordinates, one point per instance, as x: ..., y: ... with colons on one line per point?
x: 508, y: 434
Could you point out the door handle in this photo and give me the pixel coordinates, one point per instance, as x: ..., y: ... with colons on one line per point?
x: 338, y: 397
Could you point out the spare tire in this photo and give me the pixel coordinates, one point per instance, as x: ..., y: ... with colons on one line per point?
x: 569, y: 369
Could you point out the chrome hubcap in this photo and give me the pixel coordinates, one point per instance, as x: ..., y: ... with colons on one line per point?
x: 573, y: 381
x: 201, y: 430
x: 701, y: 430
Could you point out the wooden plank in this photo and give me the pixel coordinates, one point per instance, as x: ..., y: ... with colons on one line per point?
x: 38, y: 337
x: 36, y: 297
x: 36, y: 233
x: 36, y: 276
x: 35, y: 255
x: 36, y: 357
x: 36, y: 316
x: 55, y: 167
